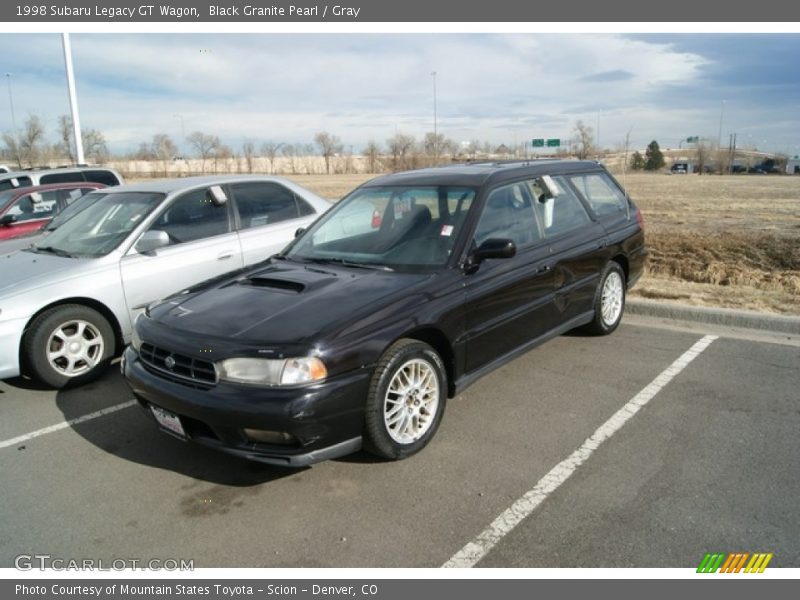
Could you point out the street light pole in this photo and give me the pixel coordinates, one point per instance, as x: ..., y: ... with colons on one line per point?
x: 435, y: 125
x: 73, y: 98
x: 183, y: 135
x: 11, y: 103
x: 721, y: 113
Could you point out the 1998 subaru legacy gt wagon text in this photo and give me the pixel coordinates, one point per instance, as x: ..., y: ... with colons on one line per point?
x: 408, y: 290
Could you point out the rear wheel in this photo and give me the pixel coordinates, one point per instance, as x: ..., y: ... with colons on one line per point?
x: 609, y: 301
x: 406, y: 400
x: 68, y: 344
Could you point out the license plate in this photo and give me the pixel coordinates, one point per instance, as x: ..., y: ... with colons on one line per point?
x: 169, y: 421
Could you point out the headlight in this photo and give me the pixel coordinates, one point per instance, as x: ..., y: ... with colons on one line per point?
x: 136, y: 341
x: 290, y: 371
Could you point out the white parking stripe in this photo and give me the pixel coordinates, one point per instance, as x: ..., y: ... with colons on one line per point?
x: 475, y: 550
x: 65, y: 424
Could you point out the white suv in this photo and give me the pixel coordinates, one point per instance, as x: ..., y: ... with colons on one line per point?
x: 15, y: 179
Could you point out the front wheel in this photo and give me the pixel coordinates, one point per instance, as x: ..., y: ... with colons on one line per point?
x: 609, y: 301
x: 406, y: 400
x: 68, y: 344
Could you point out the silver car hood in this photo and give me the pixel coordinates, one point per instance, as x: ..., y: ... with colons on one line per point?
x: 23, y: 271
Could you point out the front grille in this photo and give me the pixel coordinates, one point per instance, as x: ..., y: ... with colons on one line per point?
x: 178, y: 367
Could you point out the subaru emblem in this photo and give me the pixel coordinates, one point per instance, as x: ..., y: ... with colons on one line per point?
x: 169, y: 362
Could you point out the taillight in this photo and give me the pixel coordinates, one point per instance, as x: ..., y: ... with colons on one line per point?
x: 640, y: 219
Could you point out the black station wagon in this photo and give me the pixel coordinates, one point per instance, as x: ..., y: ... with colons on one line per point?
x: 408, y: 290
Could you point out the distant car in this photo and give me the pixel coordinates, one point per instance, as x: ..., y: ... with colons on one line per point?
x: 411, y: 288
x: 44, y: 176
x: 67, y: 303
x: 679, y: 169
x: 26, y: 210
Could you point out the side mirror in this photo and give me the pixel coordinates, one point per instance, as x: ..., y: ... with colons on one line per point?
x: 7, y: 220
x: 493, y: 248
x: 300, y: 231
x: 152, y: 240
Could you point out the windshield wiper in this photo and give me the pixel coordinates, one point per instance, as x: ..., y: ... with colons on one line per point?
x: 349, y: 263
x: 51, y: 250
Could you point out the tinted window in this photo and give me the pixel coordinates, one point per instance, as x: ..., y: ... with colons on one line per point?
x: 15, y: 182
x: 263, y: 204
x: 568, y: 211
x: 62, y: 177
x: 508, y: 214
x: 74, y: 207
x: 304, y: 207
x: 604, y: 197
x: 40, y: 205
x: 192, y: 217
x: 101, y: 176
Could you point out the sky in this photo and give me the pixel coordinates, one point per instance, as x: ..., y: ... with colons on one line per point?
x: 501, y: 88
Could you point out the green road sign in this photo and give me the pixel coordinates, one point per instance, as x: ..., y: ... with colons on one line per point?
x: 553, y: 143
x: 538, y: 143
x: 692, y: 139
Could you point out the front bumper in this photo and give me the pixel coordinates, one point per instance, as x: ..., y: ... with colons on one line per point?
x: 325, y: 420
x: 10, y: 339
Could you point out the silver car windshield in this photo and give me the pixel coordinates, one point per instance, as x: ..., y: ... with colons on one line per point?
x: 102, y: 227
x: 392, y: 227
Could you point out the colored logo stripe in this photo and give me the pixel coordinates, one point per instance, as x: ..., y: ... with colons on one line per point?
x: 734, y: 562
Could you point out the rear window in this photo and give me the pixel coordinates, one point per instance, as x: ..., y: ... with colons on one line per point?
x: 102, y: 176
x: 15, y: 182
x: 62, y: 177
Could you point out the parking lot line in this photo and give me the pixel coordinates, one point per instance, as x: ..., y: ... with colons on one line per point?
x: 65, y: 424
x: 479, y: 547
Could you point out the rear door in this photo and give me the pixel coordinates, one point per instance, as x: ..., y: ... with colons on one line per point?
x: 268, y: 215
x: 202, y: 245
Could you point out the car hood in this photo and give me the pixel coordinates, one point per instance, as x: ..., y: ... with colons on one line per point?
x: 286, y: 303
x: 23, y: 271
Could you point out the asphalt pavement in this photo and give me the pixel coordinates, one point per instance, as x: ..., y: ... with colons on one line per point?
x: 710, y: 463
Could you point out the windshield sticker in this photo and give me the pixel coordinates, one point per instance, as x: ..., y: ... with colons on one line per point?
x: 447, y: 230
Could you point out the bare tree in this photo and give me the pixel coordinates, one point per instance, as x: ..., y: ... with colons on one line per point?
x: 400, y: 146
x: 27, y: 146
x: 65, y: 143
x: 583, y: 140
x: 204, y: 144
x: 249, y: 153
x: 222, y: 153
x: 329, y: 146
x: 12, y: 148
x: 372, y: 151
x: 270, y: 150
x: 289, y: 152
x: 703, y: 156
x: 163, y: 150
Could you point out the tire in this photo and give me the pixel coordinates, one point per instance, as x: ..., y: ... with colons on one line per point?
x: 397, y: 423
x: 68, y: 345
x: 609, y: 300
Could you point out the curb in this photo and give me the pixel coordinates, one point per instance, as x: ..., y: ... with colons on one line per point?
x: 716, y: 316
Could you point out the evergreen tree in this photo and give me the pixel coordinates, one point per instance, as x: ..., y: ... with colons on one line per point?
x: 637, y: 161
x: 654, y: 159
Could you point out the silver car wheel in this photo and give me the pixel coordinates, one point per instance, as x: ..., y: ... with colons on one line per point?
x: 75, y: 348
x: 411, y: 401
x: 611, y: 299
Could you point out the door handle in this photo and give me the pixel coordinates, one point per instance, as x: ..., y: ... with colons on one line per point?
x: 544, y: 269
x: 225, y: 256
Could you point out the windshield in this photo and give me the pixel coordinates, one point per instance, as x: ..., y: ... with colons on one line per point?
x: 77, y: 206
x: 392, y: 227
x: 98, y: 231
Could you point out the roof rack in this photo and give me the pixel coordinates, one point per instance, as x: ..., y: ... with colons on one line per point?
x: 511, y: 162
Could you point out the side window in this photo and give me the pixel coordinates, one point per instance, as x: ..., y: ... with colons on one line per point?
x: 508, y: 214
x: 101, y: 176
x: 15, y: 182
x: 61, y: 177
x: 39, y: 205
x: 263, y: 204
x: 304, y: 207
x: 568, y: 211
x: 603, y: 196
x: 192, y: 217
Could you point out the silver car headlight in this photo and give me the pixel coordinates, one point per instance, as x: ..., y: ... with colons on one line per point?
x: 264, y: 371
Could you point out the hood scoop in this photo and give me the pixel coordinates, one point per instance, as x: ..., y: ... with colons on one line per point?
x: 272, y: 283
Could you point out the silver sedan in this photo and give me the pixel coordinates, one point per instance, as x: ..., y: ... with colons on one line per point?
x: 68, y: 302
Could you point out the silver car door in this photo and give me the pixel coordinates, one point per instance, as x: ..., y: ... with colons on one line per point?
x: 199, y: 244
x: 269, y: 215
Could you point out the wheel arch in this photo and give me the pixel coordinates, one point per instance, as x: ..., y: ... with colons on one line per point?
x: 622, y: 261
x: 107, y: 313
x: 436, y: 339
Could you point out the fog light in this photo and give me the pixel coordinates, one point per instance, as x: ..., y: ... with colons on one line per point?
x: 264, y: 436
